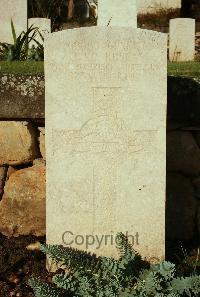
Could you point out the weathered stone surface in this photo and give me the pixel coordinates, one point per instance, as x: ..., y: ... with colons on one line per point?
x: 3, y: 172
x: 18, y: 143
x: 183, y: 99
x: 22, y: 209
x: 180, y: 208
x: 105, y: 136
x: 11, y: 170
x: 22, y: 96
x: 42, y: 142
x: 182, y: 40
x: 39, y: 162
x: 17, y: 11
x: 183, y: 153
x: 117, y: 13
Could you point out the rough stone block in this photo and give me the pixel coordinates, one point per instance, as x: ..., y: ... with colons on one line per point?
x: 22, y: 96
x: 22, y: 208
x: 180, y: 208
x: 183, y: 153
x: 18, y: 143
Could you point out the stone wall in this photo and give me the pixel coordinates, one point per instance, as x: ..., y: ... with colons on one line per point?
x: 22, y: 157
x: 183, y: 159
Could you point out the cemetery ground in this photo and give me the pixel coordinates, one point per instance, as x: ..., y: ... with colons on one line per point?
x: 20, y: 258
x: 17, y: 264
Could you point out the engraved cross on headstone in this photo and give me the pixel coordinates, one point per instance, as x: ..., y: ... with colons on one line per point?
x: 105, y: 137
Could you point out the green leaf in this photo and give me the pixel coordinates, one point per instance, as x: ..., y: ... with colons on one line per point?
x: 42, y: 289
x: 13, y: 32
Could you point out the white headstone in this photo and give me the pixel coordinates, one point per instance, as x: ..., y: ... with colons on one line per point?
x: 117, y: 13
x: 15, y: 10
x: 44, y: 27
x: 182, y: 40
x: 105, y: 138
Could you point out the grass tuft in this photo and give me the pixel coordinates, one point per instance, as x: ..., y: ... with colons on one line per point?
x: 186, y: 69
x: 21, y: 67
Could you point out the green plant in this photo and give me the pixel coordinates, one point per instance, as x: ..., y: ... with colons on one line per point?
x: 19, y: 49
x: 130, y: 276
x: 36, y: 53
x: 190, y: 263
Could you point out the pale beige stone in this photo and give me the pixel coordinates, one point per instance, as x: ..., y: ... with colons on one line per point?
x: 22, y: 209
x: 106, y: 136
x: 18, y: 143
x: 117, y: 13
x: 182, y: 40
x: 42, y: 142
x: 15, y: 10
x: 44, y: 27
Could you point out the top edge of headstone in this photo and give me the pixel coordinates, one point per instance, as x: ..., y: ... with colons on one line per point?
x: 81, y: 30
x: 39, y: 19
x: 183, y: 19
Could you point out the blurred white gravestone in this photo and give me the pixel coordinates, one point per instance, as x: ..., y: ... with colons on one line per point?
x: 44, y: 28
x: 117, y: 13
x: 15, y: 10
x: 105, y: 138
x: 182, y: 40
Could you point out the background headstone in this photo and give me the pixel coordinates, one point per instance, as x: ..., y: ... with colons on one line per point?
x: 44, y: 27
x: 105, y: 137
x: 182, y: 40
x: 117, y: 13
x: 15, y: 10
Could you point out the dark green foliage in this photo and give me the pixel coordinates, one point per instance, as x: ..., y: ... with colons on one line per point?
x: 71, y: 258
x: 36, y: 53
x: 92, y: 276
x: 19, y: 49
x: 42, y: 289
